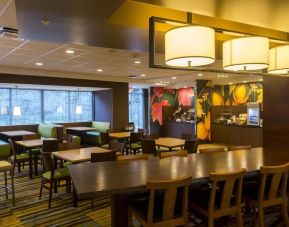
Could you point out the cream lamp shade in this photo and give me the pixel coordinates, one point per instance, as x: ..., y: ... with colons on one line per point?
x: 246, y: 53
x: 279, y: 60
x: 190, y: 46
x: 78, y: 110
x: 16, y: 111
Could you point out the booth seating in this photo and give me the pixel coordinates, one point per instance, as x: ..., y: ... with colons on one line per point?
x: 93, y: 137
x: 4, y: 150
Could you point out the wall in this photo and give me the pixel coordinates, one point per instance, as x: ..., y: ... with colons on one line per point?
x: 103, y: 101
x: 120, y: 91
x: 160, y: 97
x: 209, y: 95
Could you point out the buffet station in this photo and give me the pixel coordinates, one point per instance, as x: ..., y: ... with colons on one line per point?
x: 178, y: 120
x: 237, y: 125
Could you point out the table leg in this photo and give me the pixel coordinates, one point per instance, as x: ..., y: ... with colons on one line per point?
x: 119, y: 210
x: 30, y: 163
x: 75, y: 199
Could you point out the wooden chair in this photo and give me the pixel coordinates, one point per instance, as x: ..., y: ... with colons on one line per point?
x: 68, y: 146
x: 5, y: 167
x: 179, y: 153
x: 52, y: 177
x: 50, y: 145
x: 167, y: 204
x: 104, y: 156
x: 219, y: 201
x: 104, y: 139
x: 270, y: 192
x: 132, y: 157
x: 118, y: 146
x: 31, y: 137
x: 67, y: 137
x: 188, y: 136
x: 208, y: 150
x: 149, y: 146
x: 191, y: 146
x: 242, y: 147
x: 142, y: 131
x: 151, y: 136
x: 134, y: 141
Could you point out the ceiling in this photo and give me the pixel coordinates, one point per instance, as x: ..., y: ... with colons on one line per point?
x: 114, y: 45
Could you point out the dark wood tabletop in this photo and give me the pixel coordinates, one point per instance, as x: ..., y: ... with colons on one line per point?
x: 18, y: 133
x: 81, y: 129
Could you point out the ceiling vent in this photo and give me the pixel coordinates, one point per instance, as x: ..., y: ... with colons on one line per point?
x: 133, y: 76
x: 9, y: 33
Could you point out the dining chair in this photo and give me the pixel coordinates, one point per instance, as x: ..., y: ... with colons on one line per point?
x: 191, y: 146
x: 179, y: 153
x: 50, y: 145
x: 142, y: 131
x: 188, y: 136
x: 271, y: 191
x: 151, y: 136
x: 68, y: 146
x: 211, y: 150
x: 20, y: 157
x: 103, y: 156
x: 166, y: 204
x: 5, y: 167
x: 52, y: 177
x: 31, y: 137
x: 67, y: 137
x: 104, y: 140
x: 118, y: 146
x: 134, y: 142
x: 222, y: 198
x: 132, y: 157
x: 149, y: 146
x: 240, y: 147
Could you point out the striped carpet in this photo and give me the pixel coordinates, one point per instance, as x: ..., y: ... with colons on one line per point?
x: 30, y: 211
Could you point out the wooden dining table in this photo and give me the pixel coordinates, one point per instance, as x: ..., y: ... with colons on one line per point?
x: 78, y: 155
x: 120, y: 179
x: 17, y: 134
x: 170, y: 142
x: 80, y: 131
x: 120, y: 135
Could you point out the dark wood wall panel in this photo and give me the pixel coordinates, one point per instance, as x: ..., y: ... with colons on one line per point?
x: 120, y: 91
x: 276, y: 111
x: 104, y: 102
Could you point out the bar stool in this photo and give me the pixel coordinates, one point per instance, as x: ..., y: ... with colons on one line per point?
x: 8, y: 167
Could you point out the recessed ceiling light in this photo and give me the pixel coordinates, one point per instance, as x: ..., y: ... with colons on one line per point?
x: 185, y: 87
x: 200, y: 74
x: 245, y: 81
x: 174, y: 77
x: 143, y: 75
x: 39, y: 63
x: 230, y: 83
x: 99, y: 70
x: 137, y: 62
x: 260, y: 79
x: 69, y: 51
x: 218, y: 75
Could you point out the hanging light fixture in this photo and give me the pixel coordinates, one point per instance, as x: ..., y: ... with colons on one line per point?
x: 246, y: 53
x: 278, y: 60
x: 16, y: 108
x: 78, y: 109
x: 190, y: 46
x: 59, y: 109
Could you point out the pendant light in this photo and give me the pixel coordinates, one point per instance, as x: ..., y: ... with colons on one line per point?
x: 278, y: 60
x: 16, y: 108
x: 190, y: 46
x: 78, y: 109
x: 59, y: 110
x: 246, y: 53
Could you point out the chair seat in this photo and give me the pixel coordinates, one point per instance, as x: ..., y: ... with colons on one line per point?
x: 139, y: 203
x: 21, y: 156
x: 59, y: 173
x: 106, y: 146
x: 36, y: 151
x: 133, y: 146
x: 65, y: 164
x: 5, y: 166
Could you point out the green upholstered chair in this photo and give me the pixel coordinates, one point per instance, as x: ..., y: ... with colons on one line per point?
x: 93, y: 137
x: 134, y: 141
x: 47, y: 130
x: 4, y: 150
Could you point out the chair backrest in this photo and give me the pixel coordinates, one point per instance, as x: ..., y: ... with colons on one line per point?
x: 208, y: 150
x: 48, y: 163
x: 171, y: 190
x: 275, y: 179
x: 136, y: 137
x: 180, y: 153
x: 50, y: 145
x: 68, y: 146
x: 104, y: 138
x: 13, y: 151
x: 188, y: 136
x: 143, y: 131
x: 230, y: 186
x: 151, y: 136
x: 68, y: 137
x: 110, y: 130
x: 148, y: 146
x: 242, y: 147
x: 132, y: 157
x: 31, y: 137
x: 191, y: 146
x: 103, y: 157
x: 116, y: 145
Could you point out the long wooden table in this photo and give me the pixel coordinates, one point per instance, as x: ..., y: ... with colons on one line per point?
x: 120, y: 178
x: 78, y: 155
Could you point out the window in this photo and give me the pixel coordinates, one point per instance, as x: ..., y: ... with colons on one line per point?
x: 48, y: 106
x: 137, y: 108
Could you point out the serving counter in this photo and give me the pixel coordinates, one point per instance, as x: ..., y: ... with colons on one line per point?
x: 175, y: 129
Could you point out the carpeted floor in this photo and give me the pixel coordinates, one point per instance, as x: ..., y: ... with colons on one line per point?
x: 30, y: 211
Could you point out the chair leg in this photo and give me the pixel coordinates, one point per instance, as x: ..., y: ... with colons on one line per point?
x: 239, y: 219
x: 129, y: 218
x: 50, y: 194
x: 35, y: 167
x: 91, y: 203
x: 41, y: 187
x: 19, y: 167
x: 211, y: 222
x: 12, y: 186
x: 285, y: 214
x: 261, y: 216
x: 6, y: 186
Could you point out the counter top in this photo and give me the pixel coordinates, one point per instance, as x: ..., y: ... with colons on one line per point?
x: 235, y: 125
